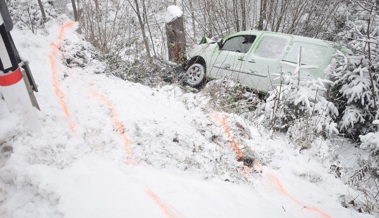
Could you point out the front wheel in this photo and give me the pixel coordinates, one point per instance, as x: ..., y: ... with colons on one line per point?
x: 195, y: 75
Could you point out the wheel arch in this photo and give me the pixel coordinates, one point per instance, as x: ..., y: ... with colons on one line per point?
x: 196, y: 59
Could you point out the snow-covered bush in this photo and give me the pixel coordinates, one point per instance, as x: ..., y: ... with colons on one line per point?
x: 356, y: 88
x: 152, y: 74
x: 227, y: 95
x: 105, y: 23
x: 301, y: 109
x: 28, y: 15
x: 80, y: 54
x: 353, y: 95
x: 355, y: 92
x: 370, y: 141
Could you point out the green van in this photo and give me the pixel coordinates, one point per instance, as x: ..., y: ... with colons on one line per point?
x: 255, y: 58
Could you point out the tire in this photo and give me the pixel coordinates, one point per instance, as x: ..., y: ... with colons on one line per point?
x: 195, y: 75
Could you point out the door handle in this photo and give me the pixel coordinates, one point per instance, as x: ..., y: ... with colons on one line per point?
x: 241, y: 59
x: 226, y: 66
x: 252, y: 61
x: 255, y: 73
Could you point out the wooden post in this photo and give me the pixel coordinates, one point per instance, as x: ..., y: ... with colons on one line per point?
x: 176, y: 37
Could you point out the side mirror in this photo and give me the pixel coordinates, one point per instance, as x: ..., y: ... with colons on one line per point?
x: 220, y: 43
x: 5, y: 17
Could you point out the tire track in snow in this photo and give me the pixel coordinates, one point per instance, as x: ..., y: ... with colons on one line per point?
x: 115, y: 118
x: 247, y: 170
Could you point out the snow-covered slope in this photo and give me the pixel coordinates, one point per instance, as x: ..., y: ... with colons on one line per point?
x: 112, y: 148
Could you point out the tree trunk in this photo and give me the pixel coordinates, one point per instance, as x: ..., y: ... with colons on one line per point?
x: 192, y: 11
x: 373, y: 92
x: 78, y: 10
x: 262, y: 14
x: 236, y: 16
x: 148, y: 26
x: 176, y: 40
x: 42, y: 11
x: 243, y: 15
x: 97, y: 5
x: 142, y: 25
x: 75, y: 10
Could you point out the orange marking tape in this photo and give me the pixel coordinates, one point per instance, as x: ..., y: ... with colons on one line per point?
x: 234, y: 143
x: 61, y: 31
x: 160, y: 204
x: 56, y: 84
x: 121, y: 131
x: 247, y: 170
x: 119, y: 126
x: 284, y: 192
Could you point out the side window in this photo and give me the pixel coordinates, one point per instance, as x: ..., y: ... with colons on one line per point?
x: 271, y: 47
x: 311, y: 53
x: 240, y: 44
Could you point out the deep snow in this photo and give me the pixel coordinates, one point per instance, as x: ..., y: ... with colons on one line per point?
x: 112, y: 148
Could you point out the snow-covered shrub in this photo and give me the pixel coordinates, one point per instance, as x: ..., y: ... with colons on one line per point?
x: 27, y: 14
x: 80, y: 54
x: 152, y: 74
x: 105, y: 23
x: 356, y: 87
x: 301, y: 109
x: 353, y: 95
x: 227, y: 95
x: 370, y: 142
x: 359, y: 203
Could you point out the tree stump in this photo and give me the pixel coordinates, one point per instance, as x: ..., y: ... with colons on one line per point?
x: 176, y: 38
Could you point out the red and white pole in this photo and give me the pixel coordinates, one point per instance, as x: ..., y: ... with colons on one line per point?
x: 13, y: 89
x: 12, y: 85
x: 11, y: 78
x: 15, y: 94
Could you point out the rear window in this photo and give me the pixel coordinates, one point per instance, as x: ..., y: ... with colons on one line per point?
x: 271, y: 47
x: 311, y: 54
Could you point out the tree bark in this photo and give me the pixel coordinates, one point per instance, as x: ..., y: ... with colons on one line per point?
x: 192, y: 11
x: 262, y: 14
x: 148, y: 26
x: 373, y: 92
x: 97, y: 5
x: 142, y: 25
x: 236, y: 16
x: 243, y: 15
x: 75, y: 10
x: 176, y: 40
x: 44, y: 19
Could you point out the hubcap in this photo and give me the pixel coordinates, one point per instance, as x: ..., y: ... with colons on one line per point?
x: 195, y: 74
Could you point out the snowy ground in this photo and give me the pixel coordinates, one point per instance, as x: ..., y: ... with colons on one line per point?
x: 112, y: 148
